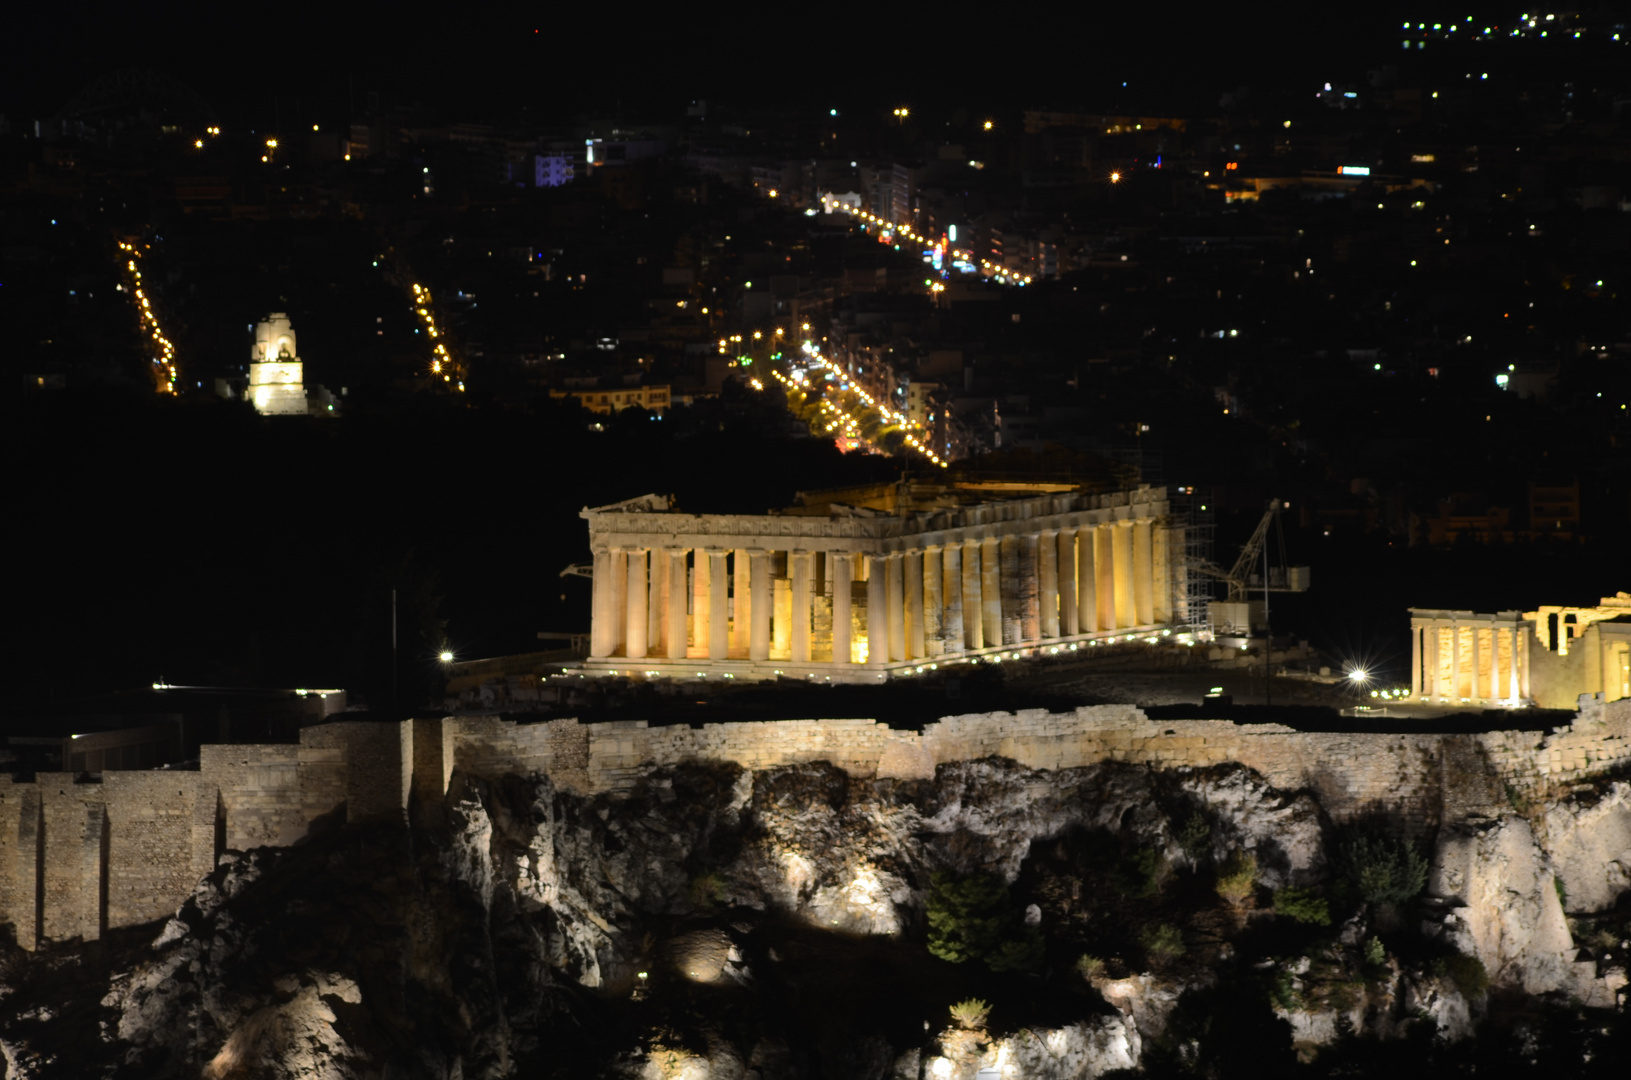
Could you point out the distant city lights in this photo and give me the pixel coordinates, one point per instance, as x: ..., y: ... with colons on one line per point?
x: 441, y: 362
x: 164, y: 363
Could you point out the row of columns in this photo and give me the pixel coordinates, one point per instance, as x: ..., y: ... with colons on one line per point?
x: 921, y: 603
x: 1458, y: 658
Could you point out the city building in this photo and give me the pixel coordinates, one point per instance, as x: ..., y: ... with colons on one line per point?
x: 554, y: 169
x: 1547, y: 657
x: 652, y: 398
x: 864, y: 583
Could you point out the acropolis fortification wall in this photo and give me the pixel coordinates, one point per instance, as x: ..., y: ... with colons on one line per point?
x: 80, y: 855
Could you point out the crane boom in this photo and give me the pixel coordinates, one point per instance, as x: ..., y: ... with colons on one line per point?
x: 1237, y: 576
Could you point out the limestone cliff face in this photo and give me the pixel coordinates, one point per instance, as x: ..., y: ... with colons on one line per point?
x: 1505, y: 909
x: 715, y: 923
x: 1588, y: 837
x: 1505, y: 881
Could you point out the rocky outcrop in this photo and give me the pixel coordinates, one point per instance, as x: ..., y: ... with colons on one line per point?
x: 1503, y: 907
x: 1503, y: 883
x: 714, y: 923
x: 1076, y: 1051
x: 1587, y: 834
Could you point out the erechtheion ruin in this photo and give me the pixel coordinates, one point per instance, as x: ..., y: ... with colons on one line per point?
x: 1547, y: 657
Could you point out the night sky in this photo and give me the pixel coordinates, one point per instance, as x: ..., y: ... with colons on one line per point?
x: 304, y: 61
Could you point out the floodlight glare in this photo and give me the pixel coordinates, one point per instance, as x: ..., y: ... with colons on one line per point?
x: 1358, y: 675
x: 447, y: 657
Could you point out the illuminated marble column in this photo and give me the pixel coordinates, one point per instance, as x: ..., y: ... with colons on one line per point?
x: 719, y: 627
x: 1494, y: 663
x: 1008, y: 589
x: 991, y: 591
x: 1444, y: 659
x: 843, y: 571
x: 877, y: 609
x: 933, y: 610
x: 1455, y: 659
x: 699, y: 603
x: 741, y: 604
x: 1474, y: 662
x: 656, y: 601
x: 1104, y: 568
x: 1415, y: 660
x: 951, y: 618
x: 912, y: 578
x: 637, y: 594
x: 1161, y: 576
x: 973, y: 602
x: 602, y: 635
x: 1047, y: 591
x: 1450, y: 648
x: 620, y: 592
x: 1143, y: 572
x: 897, y: 607
x: 1429, y: 668
x: 1027, y: 595
x: 1126, y: 609
x: 1070, y: 617
x: 781, y: 620
x: 759, y: 604
x: 803, y: 574
x: 1087, y: 581
x: 1516, y: 690
x: 1028, y: 581
x: 674, y: 629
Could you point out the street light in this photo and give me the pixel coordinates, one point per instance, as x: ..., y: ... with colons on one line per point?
x: 446, y: 657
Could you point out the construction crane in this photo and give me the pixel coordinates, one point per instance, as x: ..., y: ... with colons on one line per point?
x: 1233, y: 615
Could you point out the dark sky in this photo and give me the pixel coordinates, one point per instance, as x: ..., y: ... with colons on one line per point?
x: 568, y: 57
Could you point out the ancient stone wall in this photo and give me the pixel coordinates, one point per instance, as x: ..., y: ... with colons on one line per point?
x: 79, y: 857
x: 258, y: 790
x: 20, y: 853
x: 432, y: 757
x: 376, y: 762
x: 1420, y: 778
x: 1598, y: 741
x: 158, y: 845
x: 73, y: 820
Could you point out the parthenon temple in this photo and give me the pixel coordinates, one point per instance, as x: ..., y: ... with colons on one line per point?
x: 859, y: 584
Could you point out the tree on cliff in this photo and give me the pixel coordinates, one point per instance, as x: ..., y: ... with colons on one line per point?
x: 973, y: 919
x: 1381, y: 869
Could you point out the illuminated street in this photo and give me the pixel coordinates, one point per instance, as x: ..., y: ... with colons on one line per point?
x: 164, y: 367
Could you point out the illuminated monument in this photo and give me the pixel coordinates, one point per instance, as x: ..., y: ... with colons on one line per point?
x: 276, y: 384
x: 1547, y: 657
x: 860, y: 584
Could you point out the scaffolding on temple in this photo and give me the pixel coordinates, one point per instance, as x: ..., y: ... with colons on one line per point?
x: 1191, y: 583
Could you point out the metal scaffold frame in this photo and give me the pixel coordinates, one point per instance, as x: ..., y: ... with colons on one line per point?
x: 1191, y: 580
